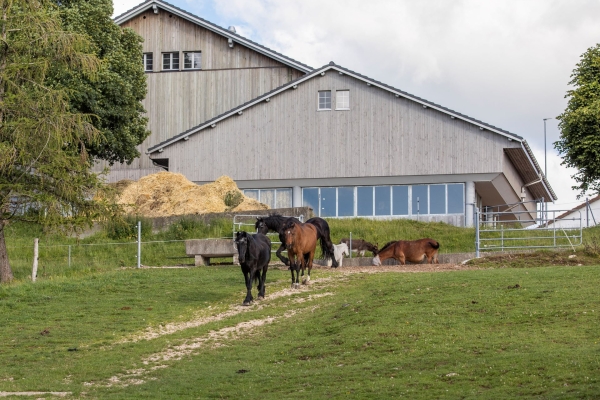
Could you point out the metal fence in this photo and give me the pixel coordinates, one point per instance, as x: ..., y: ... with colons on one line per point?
x: 516, y: 230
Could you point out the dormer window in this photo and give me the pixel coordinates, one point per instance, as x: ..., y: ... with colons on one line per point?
x: 170, y: 61
x: 191, y: 59
x: 147, y: 59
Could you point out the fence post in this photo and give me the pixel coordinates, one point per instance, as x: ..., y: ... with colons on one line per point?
x: 350, y: 244
x: 587, y: 213
x: 476, y: 231
x: 139, y: 247
x: 35, y: 258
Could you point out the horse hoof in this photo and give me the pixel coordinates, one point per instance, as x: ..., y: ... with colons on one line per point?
x: 261, y: 297
x: 246, y: 303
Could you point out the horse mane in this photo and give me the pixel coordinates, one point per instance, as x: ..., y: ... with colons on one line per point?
x: 388, y: 244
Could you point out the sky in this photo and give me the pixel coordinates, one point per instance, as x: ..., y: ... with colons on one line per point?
x: 505, y: 62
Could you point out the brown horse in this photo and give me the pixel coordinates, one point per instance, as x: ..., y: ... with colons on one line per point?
x: 301, y: 243
x: 413, y: 251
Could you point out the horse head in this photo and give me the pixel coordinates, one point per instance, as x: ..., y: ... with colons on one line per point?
x: 375, y: 249
x: 241, y: 241
x: 261, y: 226
x: 345, y: 249
x: 289, y: 230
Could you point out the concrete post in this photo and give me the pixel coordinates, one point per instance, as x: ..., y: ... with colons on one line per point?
x: 296, y: 196
x: 470, y: 202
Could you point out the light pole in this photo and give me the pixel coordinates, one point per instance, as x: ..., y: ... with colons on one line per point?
x: 545, y: 162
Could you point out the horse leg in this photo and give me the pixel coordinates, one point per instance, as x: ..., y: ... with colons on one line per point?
x: 402, y: 259
x: 283, y: 259
x: 262, y: 280
x: 309, y: 265
x: 249, y: 276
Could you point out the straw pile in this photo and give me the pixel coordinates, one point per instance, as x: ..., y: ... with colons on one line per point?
x: 166, y: 194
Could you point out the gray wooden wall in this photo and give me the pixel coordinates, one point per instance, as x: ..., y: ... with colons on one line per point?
x: 381, y: 135
x: 177, y: 101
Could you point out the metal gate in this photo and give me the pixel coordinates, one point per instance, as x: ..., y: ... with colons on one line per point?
x: 517, y: 230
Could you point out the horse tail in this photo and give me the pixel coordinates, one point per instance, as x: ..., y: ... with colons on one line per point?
x: 434, y: 244
x: 324, y: 238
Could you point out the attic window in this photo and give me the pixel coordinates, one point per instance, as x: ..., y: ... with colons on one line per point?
x: 170, y: 61
x: 191, y: 59
x: 342, y: 100
x: 324, y: 100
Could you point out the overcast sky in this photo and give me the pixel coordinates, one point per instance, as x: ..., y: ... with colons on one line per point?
x: 504, y: 62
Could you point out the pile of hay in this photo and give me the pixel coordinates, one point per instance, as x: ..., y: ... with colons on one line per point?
x: 166, y: 194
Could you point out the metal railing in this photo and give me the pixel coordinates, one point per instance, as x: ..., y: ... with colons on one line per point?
x: 517, y: 230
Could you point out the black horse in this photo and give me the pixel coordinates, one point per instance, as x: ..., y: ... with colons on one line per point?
x: 254, y: 253
x: 275, y: 222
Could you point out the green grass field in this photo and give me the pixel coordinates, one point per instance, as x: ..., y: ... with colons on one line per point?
x: 517, y: 327
x: 489, y: 333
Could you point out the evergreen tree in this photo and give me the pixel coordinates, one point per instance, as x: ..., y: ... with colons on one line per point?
x: 45, y: 174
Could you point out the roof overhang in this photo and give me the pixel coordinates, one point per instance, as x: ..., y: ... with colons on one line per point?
x: 529, y: 170
x: 147, y: 5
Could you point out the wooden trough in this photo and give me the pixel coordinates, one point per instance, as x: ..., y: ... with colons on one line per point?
x: 204, y: 249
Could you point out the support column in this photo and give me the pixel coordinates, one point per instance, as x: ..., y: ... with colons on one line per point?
x: 296, y: 196
x: 470, y: 200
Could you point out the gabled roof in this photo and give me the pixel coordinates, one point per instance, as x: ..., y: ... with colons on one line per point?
x: 527, y: 165
x: 572, y: 210
x: 149, y: 4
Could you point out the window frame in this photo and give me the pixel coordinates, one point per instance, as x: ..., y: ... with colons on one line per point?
x: 171, y: 55
x: 337, y: 92
x: 145, y: 60
x: 319, y: 100
x: 199, y: 53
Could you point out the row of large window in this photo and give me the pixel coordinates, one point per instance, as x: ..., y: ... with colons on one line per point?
x: 274, y: 198
x: 368, y: 201
x: 170, y: 61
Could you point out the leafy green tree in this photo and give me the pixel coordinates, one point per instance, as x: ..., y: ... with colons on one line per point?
x: 45, y: 168
x: 115, y: 93
x: 579, y: 142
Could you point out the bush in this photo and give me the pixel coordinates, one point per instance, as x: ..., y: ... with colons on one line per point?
x: 233, y: 198
x: 126, y: 228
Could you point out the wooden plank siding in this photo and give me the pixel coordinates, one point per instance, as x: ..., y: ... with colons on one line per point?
x: 381, y: 135
x: 179, y: 100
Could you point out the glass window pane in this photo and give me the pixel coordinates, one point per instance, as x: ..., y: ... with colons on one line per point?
x: 383, y: 204
x: 310, y: 198
x: 267, y: 196
x: 456, y: 199
x: 419, y: 200
x: 328, y: 202
x: 345, y: 202
x: 175, y: 57
x: 197, y: 58
x: 400, y: 200
x: 187, y: 60
x: 252, y: 193
x: 325, y: 100
x: 342, y: 99
x: 284, y: 198
x: 437, y: 202
x: 166, y: 61
x: 364, y: 199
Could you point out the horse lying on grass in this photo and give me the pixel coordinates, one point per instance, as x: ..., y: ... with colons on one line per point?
x: 360, y: 246
x: 254, y: 252
x: 301, y: 243
x: 413, y: 251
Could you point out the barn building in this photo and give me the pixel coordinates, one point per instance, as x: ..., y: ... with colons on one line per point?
x: 329, y: 138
